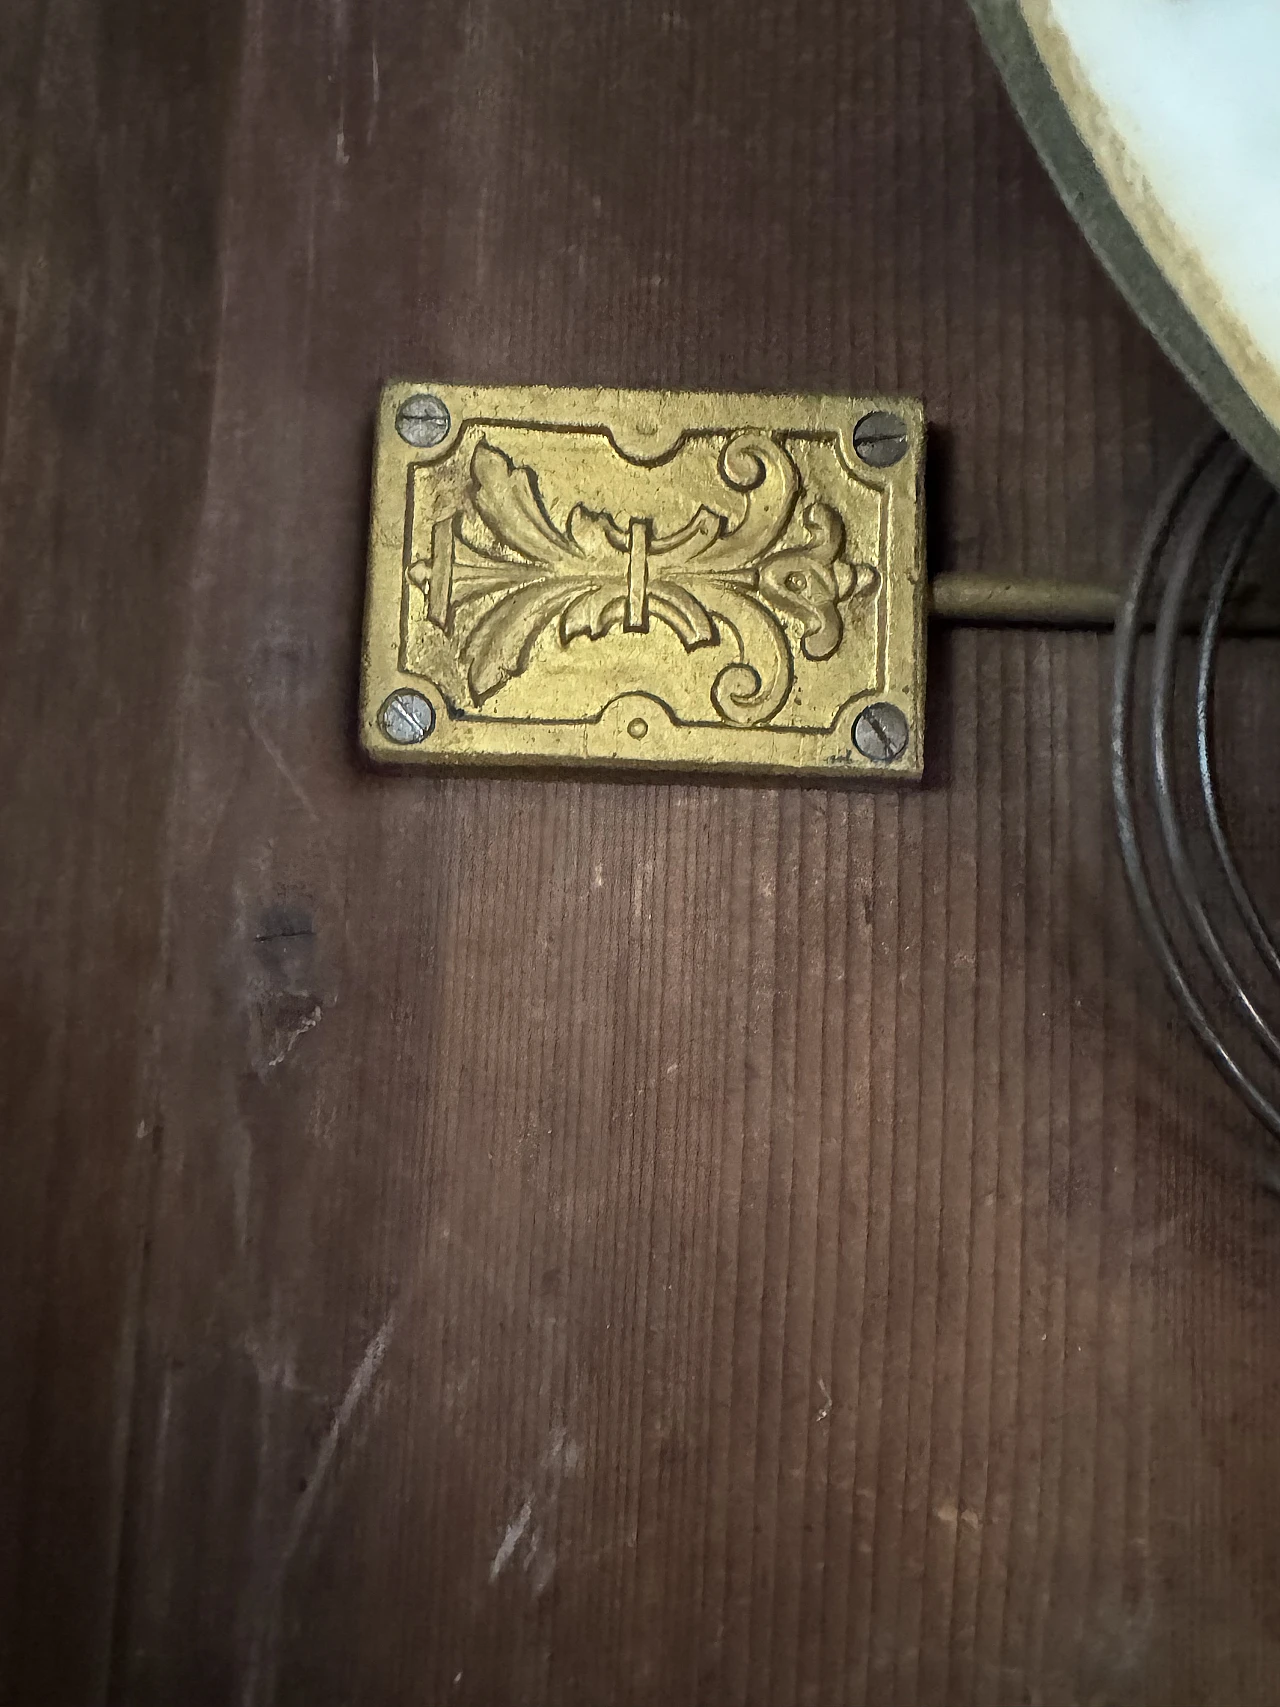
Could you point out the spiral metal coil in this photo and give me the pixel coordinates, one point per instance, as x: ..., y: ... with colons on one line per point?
x: 1218, y: 953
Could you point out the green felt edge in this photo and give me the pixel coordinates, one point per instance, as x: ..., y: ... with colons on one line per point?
x: 1117, y: 245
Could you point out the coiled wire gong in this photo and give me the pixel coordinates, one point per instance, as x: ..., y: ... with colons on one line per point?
x: 1218, y: 951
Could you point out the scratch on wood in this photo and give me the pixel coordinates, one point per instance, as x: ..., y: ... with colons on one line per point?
x: 562, y: 1457
x: 264, y: 1652
x: 824, y: 1410
x: 511, y: 1540
x: 358, y: 1388
x: 278, y: 760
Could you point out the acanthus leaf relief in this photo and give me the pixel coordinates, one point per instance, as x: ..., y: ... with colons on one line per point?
x: 501, y: 573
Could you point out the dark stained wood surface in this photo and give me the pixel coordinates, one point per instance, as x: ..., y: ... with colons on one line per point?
x: 563, y: 1241
x: 111, y: 128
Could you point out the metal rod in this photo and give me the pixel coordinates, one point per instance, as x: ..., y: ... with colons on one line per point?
x: 995, y: 602
x: 956, y: 597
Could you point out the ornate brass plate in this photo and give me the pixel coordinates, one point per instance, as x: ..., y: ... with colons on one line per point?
x: 680, y: 579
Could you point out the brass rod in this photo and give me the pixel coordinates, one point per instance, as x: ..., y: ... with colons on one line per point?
x: 956, y: 597
x: 996, y: 602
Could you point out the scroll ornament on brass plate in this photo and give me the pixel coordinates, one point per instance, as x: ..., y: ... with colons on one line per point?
x: 501, y: 573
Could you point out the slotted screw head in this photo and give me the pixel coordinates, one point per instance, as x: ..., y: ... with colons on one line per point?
x: 422, y: 420
x: 880, y: 438
x: 407, y: 718
x: 881, y: 733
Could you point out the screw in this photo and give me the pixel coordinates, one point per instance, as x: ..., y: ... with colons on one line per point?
x: 880, y: 438
x: 423, y: 420
x: 407, y: 718
x: 881, y: 733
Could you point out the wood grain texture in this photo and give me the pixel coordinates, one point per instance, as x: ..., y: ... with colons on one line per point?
x: 606, y: 1243
x: 110, y: 122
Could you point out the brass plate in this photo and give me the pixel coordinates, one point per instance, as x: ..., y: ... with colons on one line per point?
x: 689, y: 580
